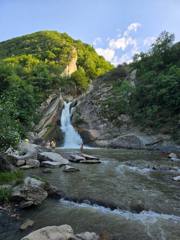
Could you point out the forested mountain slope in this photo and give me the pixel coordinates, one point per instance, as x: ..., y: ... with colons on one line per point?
x: 35, y: 65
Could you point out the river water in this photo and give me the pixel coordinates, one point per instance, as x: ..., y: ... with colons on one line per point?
x: 124, y: 198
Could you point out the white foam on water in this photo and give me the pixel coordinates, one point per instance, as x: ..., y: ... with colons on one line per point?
x: 125, y: 168
x: 145, y: 217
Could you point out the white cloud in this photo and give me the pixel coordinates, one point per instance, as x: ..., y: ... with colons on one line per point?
x: 97, y: 41
x: 149, y: 41
x: 107, y: 53
x: 134, y: 27
x: 122, y: 48
x: 122, y: 43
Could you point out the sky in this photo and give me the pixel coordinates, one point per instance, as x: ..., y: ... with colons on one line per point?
x: 117, y: 29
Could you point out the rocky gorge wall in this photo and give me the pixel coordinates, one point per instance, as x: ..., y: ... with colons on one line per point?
x: 48, y: 126
x: 97, y: 130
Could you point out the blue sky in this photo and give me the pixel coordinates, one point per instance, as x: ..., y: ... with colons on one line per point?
x: 116, y: 28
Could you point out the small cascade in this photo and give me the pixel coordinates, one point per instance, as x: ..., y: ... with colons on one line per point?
x: 71, y: 137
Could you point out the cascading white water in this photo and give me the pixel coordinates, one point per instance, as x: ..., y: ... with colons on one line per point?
x: 71, y: 138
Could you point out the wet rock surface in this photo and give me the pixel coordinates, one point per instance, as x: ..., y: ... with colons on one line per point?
x: 32, y: 192
x: 69, y: 168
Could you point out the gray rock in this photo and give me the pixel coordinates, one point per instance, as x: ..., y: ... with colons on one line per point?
x: 176, y: 178
x: 25, y: 204
x: 89, y: 157
x: 33, y: 163
x: 172, y: 155
x: 63, y: 232
x: 50, y: 164
x: 24, y: 167
x: 127, y: 141
x: 87, y: 236
x: 25, y: 151
x: 20, y: 162
x: 69, y: 168
x: 28, y: 223
x: 90, y: 161
x: 76, y: 158
x: 31, y: 190
x: 53, y: 157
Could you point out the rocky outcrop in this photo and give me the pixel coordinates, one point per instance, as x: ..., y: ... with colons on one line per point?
x: 32, y: 192
x: 49, y: 110
x: 63, y: 232
x: 71, y: 67
x: 25, y: 156
x: 96, y: 129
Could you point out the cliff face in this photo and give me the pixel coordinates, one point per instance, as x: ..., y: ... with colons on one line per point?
x: 49, y: 110
x: 96, y: 129
x: 71, y: 67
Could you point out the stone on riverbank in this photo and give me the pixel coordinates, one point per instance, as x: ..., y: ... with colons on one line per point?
x: 176, y: 178
x: 26, y: 224
x: 89, y: 157
x: 50, y: 164
x: 76, y: 158
x: 69, y: 168
x: 53, y: 157
x: 31, y: 190
x: 33, y: 163
x: 90, y: 161
x: 87, y: 236
x: 63, y: 232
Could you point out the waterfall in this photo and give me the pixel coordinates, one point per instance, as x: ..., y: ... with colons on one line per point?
x: 71, y: 138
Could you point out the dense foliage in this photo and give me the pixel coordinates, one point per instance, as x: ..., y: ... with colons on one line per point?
x: 31, y: 68
x: 157, y: 95
x: 154, y: 101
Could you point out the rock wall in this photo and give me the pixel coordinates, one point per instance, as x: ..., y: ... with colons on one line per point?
x: 49, y: 110
x: 71, y: 67
x: 96, y: 130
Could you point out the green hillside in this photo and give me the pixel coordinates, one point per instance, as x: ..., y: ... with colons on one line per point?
x: 152, y: 99
x: 31, y: 68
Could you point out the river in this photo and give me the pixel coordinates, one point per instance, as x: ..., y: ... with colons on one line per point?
x: 130, y: 195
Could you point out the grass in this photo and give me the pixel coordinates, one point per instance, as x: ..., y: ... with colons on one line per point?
x: 5, y: 194
x: 9, y: 177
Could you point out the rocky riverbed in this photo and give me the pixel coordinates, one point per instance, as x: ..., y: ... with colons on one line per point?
x: 131, y: 193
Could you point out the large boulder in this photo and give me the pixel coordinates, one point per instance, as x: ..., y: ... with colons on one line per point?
x: 53, y: 157
x: 127, y: 141
x: 63, y: 232
x: 25, y: 151
x: 31, y: 191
